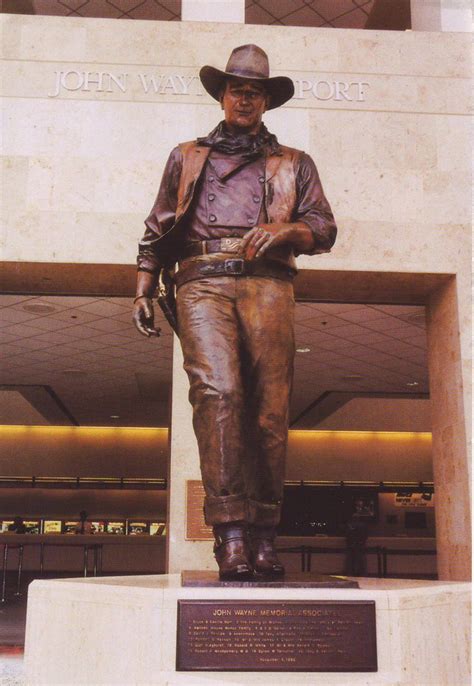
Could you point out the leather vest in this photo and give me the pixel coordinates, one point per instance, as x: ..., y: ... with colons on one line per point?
x: 228, y: 199
x: 279, y: 185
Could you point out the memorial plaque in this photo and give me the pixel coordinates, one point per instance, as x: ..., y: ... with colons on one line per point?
x: 196, y: 528
x: 269, y: 636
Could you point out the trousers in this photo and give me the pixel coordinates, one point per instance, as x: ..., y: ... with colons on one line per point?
x: 237, y: 337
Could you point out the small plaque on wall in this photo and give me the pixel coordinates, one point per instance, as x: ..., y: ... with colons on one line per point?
x: 269, y: 636
x: 196, y: 528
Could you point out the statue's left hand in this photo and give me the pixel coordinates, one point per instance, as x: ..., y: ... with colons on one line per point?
x: 259, y: 239
x: 264, y: 236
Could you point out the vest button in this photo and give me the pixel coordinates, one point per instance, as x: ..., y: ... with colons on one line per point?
x: 251, y: 221
x: 256, y: 198
x: 211, y: 179
x: 261, y: 179
x: 212, y: 218
x: 211, y: 196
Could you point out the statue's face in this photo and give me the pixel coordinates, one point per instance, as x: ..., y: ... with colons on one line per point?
x: 244, y: 103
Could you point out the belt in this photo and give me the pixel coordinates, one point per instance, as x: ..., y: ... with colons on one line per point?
x: 231, y: 244
x: 232, y: 267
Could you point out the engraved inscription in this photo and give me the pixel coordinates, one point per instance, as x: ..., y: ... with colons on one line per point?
x: 271, y: 636
x: 162, y: 83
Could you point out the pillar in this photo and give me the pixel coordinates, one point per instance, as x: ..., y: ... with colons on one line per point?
x: 184, y: 466
x: 450, y: 452
x: 441, y: 15
x: 232, y: 11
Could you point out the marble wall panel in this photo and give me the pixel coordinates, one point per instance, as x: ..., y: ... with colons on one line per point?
x: 308, y: 48
x: 453, y: 139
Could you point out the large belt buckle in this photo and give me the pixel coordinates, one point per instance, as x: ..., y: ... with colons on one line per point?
x: 234, y: 266
x: 230, y: 244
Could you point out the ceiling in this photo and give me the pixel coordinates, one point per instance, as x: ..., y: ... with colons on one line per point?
x: 79, y: 360
x: 348, y: 14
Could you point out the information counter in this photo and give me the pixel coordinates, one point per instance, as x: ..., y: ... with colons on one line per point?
x: 98, y: 554
x: 397, y: 556
x: 80, y: 554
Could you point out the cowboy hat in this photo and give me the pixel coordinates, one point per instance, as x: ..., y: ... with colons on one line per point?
x: 248, y: 62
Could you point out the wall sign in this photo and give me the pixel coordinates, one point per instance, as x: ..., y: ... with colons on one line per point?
x: 171, y: 83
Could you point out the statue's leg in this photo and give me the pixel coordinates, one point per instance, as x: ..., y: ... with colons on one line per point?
x: 210, y: 342
x: 266, y: 310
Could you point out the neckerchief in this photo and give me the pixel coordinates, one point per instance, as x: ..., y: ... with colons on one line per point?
x: 248, y: 146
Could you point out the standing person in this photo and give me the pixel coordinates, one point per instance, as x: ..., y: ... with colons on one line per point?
x: 18, y: 526
x: 83, y: 526
x: 356, y: 539
x: 233, y: 209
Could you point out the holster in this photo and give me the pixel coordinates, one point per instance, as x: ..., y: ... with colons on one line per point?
x: 166, y: 298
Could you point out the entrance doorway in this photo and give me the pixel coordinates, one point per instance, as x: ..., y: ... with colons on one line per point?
x: 437, y: 292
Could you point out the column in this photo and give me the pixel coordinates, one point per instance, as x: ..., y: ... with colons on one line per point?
x: 184, y: 466
x: 450, y: 452
x: 232, y: 11
x: 441, y: 15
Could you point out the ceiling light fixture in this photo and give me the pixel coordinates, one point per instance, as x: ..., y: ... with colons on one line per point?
x: 114, y: 416
x: 303, y: 349
x: 416, y: 316
x: 413, y: 383
x: 38, y: 308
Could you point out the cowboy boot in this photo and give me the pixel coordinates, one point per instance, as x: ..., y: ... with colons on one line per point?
x: 264, y: 556
x: 231, y: 551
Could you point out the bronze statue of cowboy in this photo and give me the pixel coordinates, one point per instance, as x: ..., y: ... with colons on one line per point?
x: 233, y: 209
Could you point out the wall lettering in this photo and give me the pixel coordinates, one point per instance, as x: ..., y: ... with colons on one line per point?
x: 185, y: 84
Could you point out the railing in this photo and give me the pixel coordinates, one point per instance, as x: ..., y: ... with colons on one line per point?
x: 99, y: 482
x: 161, y: 484
x: 307, y: 551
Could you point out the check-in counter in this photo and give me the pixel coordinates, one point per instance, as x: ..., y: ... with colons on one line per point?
x: 111, y: 553
x: 386, y: 556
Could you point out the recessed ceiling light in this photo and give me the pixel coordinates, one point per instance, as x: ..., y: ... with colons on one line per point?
x: 303, y: 349
x: 413, y: 383
x: 74, y: 372
x: 38, y: 308
x: 114, y: 416
x: 416, y: 316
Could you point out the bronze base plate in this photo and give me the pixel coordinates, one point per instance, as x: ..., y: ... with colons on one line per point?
x: 203, y: 578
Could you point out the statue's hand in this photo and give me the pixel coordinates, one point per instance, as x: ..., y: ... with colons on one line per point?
x: 144, y: 317
x: 259, y: 239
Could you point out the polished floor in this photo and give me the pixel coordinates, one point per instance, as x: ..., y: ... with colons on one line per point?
x: 12, y: 632
x: 11, y: 667
x: 13, y: 612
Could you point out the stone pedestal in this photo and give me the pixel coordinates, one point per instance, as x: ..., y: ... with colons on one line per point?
x: 122, y: 630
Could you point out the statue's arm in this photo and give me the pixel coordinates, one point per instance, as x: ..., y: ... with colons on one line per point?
x: 149, y: 260
x: 313, y: 229
x: 312, y: 207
